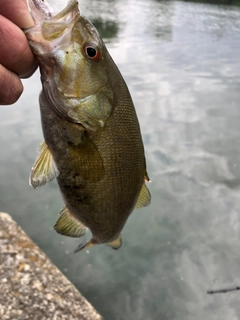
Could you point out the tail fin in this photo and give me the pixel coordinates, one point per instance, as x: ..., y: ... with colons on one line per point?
x: 85, y: 245
x: 116, y: 244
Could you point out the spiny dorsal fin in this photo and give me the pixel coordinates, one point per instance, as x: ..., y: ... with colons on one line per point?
x: 68, y: 225
x: 44, y: 168
x: 88, y: 160
x: 116, y: 244
x: 146, y: 177
x: 144, y: 197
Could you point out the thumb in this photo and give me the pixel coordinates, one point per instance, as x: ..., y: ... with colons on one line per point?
x: 17, y: 12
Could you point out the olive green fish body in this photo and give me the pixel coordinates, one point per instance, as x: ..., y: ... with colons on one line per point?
x: 103, y: 206
x: 93, y: 144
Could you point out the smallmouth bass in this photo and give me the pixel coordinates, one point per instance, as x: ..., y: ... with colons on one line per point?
x: 92, y: 140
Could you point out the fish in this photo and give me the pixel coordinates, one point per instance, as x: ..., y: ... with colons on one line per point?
x: 92, y: 140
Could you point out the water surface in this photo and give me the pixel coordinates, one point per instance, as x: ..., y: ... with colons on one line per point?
x: 181, y: 63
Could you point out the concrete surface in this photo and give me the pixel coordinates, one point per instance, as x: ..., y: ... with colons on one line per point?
x: 31, y: 287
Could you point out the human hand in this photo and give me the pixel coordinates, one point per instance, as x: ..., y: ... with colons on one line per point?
x: 16, y: 58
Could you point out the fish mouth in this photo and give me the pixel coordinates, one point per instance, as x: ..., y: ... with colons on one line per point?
x: 41, y: 10
x: 70, y: 8
x: 49, y: 27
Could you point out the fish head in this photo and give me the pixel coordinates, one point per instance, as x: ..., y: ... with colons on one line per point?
x: 72, y: 57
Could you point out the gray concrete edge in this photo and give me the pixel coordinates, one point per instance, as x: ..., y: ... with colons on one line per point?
x: 31, y: 286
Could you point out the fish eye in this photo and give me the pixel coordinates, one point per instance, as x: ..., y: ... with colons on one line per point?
x: 92, y: 52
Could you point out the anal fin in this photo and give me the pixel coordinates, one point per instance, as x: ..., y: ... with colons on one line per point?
x: 144, y: 197
x: 44, y: 168
x: 68, y: 225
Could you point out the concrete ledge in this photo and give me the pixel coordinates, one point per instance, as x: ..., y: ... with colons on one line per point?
x: 31, y: 287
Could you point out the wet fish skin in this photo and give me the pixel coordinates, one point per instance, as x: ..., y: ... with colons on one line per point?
x: 93, y: 143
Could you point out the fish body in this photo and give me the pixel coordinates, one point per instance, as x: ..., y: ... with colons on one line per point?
x: 93, y: 144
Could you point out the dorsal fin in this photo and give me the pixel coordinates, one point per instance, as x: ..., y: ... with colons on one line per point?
x: 144, y: 197
x: 146, y: 177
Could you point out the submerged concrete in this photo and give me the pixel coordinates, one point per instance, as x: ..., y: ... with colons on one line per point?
x: 31, y: 287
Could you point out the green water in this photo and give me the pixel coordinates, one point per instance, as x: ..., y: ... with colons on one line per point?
x: 181, y: 61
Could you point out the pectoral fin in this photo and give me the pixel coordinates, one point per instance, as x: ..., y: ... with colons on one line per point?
x: 89, y: 160
x: 90, y: 123
x: 68, y: 225
x: 44, y: 168
x: 144, y: 197
x: 93, y: 118
x: 116, y: 244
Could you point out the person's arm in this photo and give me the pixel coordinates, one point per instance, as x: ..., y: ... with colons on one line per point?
x: 16, y: 58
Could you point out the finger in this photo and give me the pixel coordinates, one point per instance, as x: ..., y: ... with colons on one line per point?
x: 10, y: 86
x: 15, y: 53
x: 17, y: 12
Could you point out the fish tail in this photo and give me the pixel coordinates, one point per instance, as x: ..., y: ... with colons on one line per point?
x: 85, y: 245
x: 115, y: 244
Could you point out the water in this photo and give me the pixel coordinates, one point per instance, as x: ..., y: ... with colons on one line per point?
x: 181, y: 62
